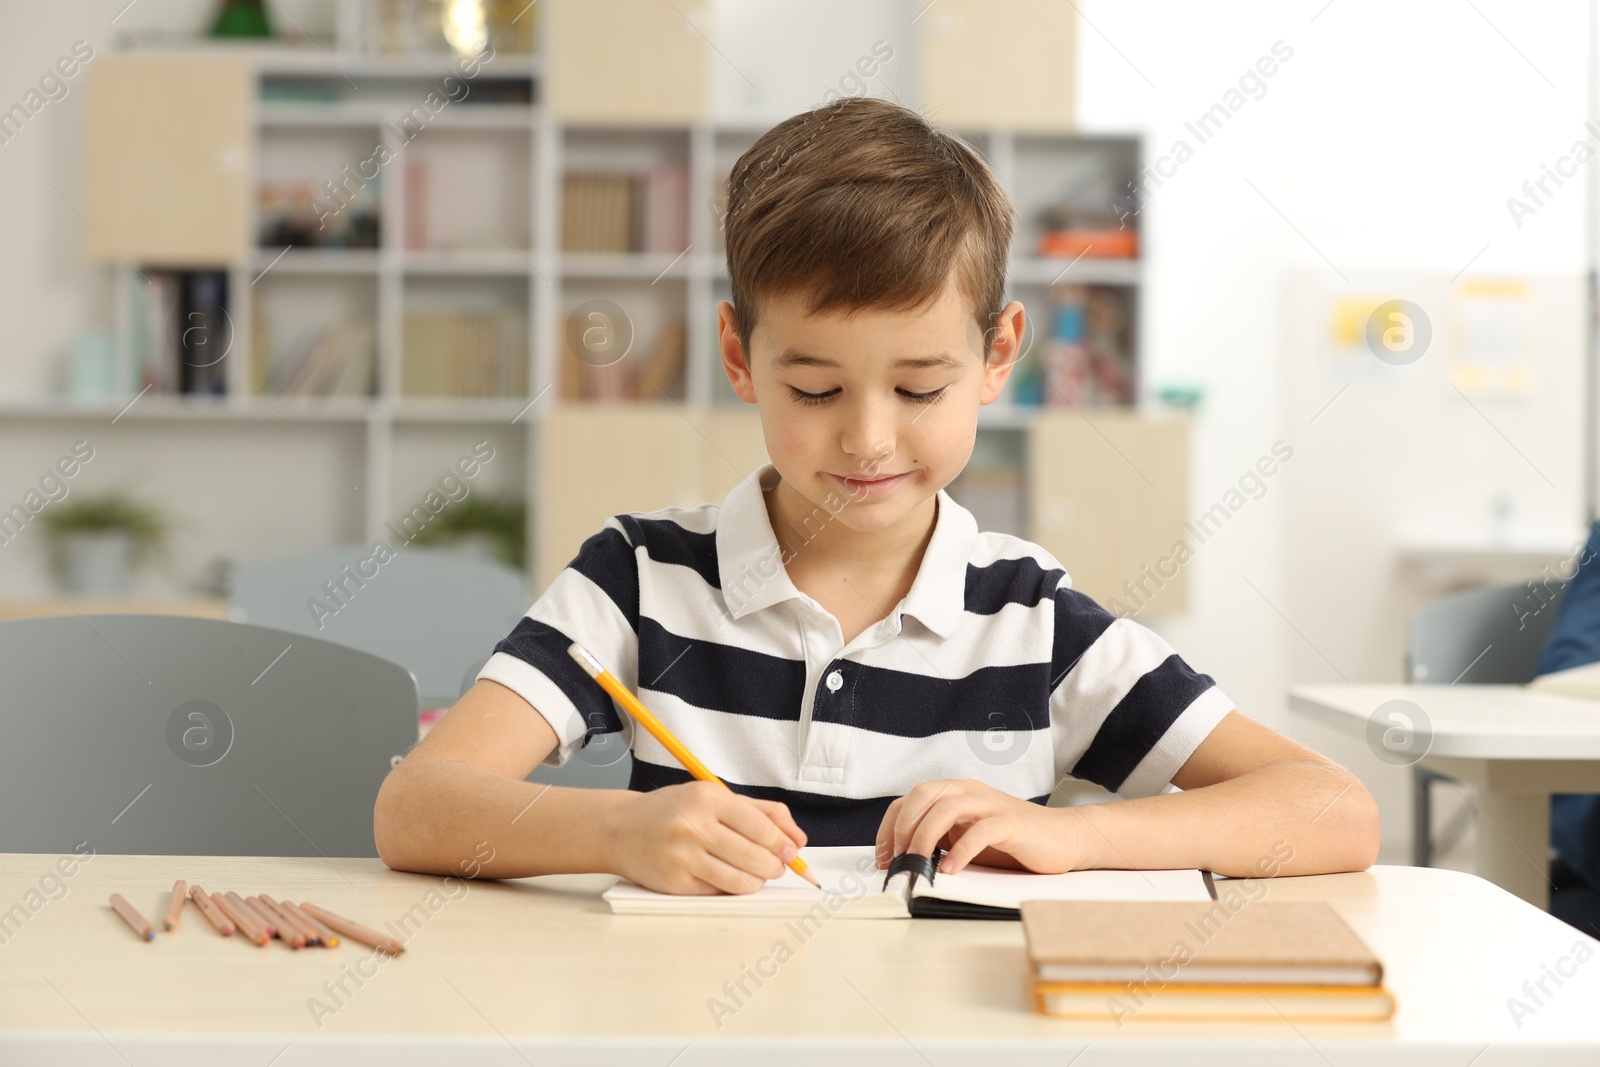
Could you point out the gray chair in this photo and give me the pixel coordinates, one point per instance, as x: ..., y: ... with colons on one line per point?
x: 164, y: 735
x: 435, y: 611
x: 1489, y: 636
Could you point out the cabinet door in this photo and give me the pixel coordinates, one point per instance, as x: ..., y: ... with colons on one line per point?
x: 1108, y: 498
x: 999, y: 63
x: 169, y: 160
x: 597, y: 460
x: 627, y: 62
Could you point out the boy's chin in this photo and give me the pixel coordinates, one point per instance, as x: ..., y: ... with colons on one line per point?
x: 867, y: 512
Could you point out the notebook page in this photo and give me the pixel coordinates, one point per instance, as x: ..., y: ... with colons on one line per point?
x: 850, y: 881
x: 1008, y: 889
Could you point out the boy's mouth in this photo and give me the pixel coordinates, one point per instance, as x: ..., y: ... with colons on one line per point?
x: 870, y: 486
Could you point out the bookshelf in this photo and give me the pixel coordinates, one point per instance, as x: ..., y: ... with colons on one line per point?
x: 488, y: 234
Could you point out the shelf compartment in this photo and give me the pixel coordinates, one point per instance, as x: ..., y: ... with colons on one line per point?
x: 469, y: 184
x: 315, y: 336
x: 464, y: 337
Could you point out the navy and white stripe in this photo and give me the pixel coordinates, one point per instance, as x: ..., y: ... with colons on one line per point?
x: 992, y: 668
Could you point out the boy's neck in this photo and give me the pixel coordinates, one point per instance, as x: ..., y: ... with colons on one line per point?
x: 812, y: 536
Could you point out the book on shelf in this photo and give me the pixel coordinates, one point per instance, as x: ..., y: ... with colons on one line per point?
x: 415, y: 208
x: 334, y: 360
x: 479, y: 353
x: 181, y: 332
x: 1233, y: 958
x: 660, y: 373
x: 618, y: 212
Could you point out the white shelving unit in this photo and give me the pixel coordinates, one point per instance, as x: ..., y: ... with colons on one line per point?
x: 406, y: 440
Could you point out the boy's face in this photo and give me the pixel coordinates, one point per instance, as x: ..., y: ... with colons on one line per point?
x: 874, y: 406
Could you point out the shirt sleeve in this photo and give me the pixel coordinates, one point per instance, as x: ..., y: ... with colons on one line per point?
x: 1126, y: 712
x: 595, y: 602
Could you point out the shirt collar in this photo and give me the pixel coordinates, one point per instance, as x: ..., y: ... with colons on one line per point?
x: 750, y: 560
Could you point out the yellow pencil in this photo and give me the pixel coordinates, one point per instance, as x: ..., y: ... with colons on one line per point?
x: 644, y: 717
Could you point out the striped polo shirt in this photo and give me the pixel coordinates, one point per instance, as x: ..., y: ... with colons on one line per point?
x: 991, y: 668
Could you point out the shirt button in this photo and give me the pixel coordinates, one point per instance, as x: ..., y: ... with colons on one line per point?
x: 835, y: 682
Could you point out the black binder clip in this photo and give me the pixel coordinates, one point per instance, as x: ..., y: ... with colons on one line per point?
x: 926, y: 866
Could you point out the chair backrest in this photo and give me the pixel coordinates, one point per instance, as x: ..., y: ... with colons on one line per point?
x: 1489, y: 636
x: 163, y: 735
x: 436, y: 612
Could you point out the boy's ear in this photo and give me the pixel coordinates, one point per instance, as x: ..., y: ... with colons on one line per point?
x: 735, y: 359
x: 1006, y: 348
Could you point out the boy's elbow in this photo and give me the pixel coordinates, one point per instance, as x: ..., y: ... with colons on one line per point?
x: 1360, y: 832
x: 388, y: 826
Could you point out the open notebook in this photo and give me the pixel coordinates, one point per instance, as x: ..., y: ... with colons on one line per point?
x: 854, y: 888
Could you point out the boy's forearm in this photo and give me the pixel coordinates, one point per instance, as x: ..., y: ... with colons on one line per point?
x: 441, y: 816
x: 1280, y: 818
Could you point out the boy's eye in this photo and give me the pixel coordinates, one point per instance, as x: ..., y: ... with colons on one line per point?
x: 822, y: 398
x: 811, y: 398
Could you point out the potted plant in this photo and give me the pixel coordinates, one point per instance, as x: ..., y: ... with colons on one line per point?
x: 490, y: 526
x: 96, y: 542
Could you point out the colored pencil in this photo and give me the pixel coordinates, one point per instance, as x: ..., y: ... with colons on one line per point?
x: 326, y: 935
x: 243, y: 918
x: 175, y: 906
x: 131, y: 916
x: 308, y: 935
x: 265, y: 921
x: 646, y: 718
x: 290, y: 935
x: 354, y: 930
x: 209, y: 909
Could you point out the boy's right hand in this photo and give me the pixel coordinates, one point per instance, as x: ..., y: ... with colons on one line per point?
x: 700, y: 838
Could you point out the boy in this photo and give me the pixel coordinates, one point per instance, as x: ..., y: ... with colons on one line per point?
x: 838, y: 641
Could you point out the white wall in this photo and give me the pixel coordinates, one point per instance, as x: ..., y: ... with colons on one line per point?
x: 1389, y: 141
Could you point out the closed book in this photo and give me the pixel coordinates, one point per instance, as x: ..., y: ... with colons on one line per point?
x: 1122, y: 1001
x: 1230, y: 941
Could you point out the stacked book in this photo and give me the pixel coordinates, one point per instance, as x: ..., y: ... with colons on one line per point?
x: 618, y: 212
x: 1234, y: 958
x: 464, y: 353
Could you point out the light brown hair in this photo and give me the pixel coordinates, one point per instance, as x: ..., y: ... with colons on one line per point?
x: 863, y: 203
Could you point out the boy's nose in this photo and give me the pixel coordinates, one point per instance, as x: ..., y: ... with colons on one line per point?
x: 868, y: 439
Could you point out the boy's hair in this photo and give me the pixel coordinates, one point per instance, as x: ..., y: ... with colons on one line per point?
x: 862, y: 203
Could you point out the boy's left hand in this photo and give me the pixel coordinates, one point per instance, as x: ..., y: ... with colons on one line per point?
x: 976, y: 823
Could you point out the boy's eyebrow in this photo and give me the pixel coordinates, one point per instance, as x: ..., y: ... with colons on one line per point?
x: 943, y: 360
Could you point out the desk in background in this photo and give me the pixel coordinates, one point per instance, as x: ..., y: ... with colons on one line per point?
x: 1516, y: 745
x: 542, y: 965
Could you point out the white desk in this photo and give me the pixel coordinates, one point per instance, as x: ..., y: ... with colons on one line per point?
x: 1516, y: 745
x: 539, y: 971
